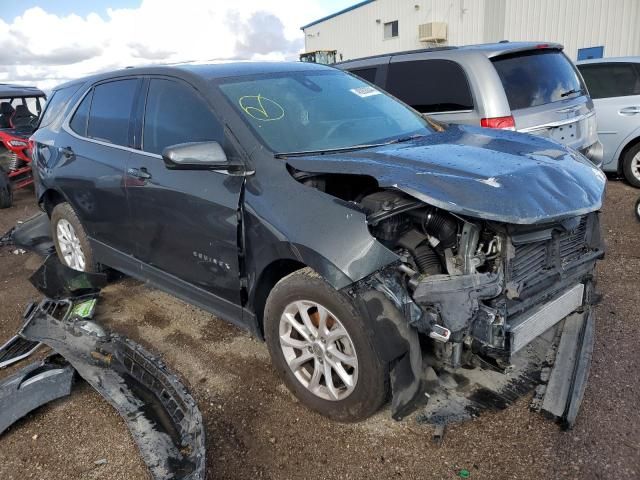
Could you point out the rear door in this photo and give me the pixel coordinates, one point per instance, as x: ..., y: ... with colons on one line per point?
x: 185, y: 221
x: 615, y: 89
x: 547, y: 97
x: 93, y: 157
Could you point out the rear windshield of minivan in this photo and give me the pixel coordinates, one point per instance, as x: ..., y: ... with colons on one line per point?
x: 537, y: 77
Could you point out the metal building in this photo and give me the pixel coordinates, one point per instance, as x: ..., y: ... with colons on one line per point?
x: 587, y: 28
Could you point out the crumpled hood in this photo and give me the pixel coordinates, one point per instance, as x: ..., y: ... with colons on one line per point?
x: 490, y: 174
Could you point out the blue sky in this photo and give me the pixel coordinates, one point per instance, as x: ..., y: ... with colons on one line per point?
x: 9, y: 9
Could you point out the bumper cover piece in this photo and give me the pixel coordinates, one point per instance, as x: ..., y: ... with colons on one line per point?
x: 16, y: 349
x: 32, y: 387
x: 161, y: 415
x: 34, y: 234
x: 568, y: 379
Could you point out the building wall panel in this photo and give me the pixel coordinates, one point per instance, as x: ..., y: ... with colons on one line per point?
x: 574, y: 23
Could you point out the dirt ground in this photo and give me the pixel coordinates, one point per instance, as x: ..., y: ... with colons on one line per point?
x: 256, y: 429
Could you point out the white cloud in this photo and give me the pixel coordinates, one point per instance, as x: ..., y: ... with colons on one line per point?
x: 45, y: 49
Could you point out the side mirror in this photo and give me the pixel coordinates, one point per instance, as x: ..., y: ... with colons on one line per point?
x: 198, y: 156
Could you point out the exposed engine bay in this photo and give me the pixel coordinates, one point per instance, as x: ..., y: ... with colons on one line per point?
x: 476, y: 292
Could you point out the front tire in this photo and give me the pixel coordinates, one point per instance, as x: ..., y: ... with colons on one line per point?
x: 322, y: 349
x: 70, y: 239
x: 6, y: 193
x: 631, y: 166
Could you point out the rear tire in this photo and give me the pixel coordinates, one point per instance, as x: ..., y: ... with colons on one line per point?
x: 71, y: 240
x: 631, y: 165
x: 6, y: 193
x: 637, y: 209
x: 339, y: 342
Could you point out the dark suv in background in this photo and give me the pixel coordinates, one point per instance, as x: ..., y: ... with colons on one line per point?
x: 524, y: 86
x: 320, y: 213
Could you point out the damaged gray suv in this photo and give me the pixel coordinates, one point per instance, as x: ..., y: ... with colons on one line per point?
x: 377, y: 252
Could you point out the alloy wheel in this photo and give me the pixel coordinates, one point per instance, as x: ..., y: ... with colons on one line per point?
x: 635, y: 166
x: 318, y: 350
x: 69, y: 244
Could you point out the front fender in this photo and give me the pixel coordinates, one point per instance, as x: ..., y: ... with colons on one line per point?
x: 303, y: 224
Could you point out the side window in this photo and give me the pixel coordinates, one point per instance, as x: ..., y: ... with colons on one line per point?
x: 174, y: 114
x: 56, y: 103
x: 430, y: 86
x: 607, y: 80
x: 368, y: 74
x: 391, y: 29
x: 111, y: 110
x: 80, y: 118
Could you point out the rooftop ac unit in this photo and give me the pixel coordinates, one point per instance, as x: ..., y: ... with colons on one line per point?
x: 432, y: 32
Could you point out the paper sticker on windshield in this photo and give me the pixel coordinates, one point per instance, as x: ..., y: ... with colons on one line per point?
x: 364, y: 92
x: 261, y: 108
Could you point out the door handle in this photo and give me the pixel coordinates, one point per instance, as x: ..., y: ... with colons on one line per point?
x: 140, y: 173
x: 634, y: 110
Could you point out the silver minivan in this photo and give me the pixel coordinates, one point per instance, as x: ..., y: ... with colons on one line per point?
x: 524, y: 86
x: 614, y: 85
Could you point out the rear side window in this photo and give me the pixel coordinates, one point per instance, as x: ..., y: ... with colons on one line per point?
x: 368, y: 74
x: 537, y: 78
x: 174, y: 114
x: 607, y: 80
x: 80, y: 118
x: 430, y: 86
x: 57, y: 103
x: 111, y: 110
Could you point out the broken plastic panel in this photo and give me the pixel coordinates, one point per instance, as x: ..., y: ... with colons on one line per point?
x: 163, y: 418
x: 32, y: 387
x: 34, y: 234
x: 16, y: 349
x: 56, y: 280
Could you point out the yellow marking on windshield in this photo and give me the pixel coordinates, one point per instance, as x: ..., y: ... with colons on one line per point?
x: 261, y: 108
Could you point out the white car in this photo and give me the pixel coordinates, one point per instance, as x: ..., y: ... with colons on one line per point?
x: 614, y: 86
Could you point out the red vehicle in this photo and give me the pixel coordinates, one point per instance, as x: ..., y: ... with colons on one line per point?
x: 20, y: 108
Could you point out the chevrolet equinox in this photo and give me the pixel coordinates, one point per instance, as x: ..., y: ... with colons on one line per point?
x: 370, y: 247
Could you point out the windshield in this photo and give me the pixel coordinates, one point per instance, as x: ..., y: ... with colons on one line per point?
x: 317, y: 111
x: 537, y: 77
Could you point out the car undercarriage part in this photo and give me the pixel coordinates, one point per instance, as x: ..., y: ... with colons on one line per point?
x: 32, y: 387
x: 162, y: 416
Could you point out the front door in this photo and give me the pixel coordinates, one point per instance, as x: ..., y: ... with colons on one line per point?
x: 185, y: 220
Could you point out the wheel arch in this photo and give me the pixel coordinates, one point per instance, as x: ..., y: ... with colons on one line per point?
x: 270, y: 275
x: 293, y: 258
x: 631, y: 141
x: 49, y: 199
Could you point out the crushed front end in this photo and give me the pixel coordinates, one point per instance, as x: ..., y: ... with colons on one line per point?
x: 487, y: 305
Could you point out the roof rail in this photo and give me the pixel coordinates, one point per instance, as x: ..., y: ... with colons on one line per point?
x: 406, y: 52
